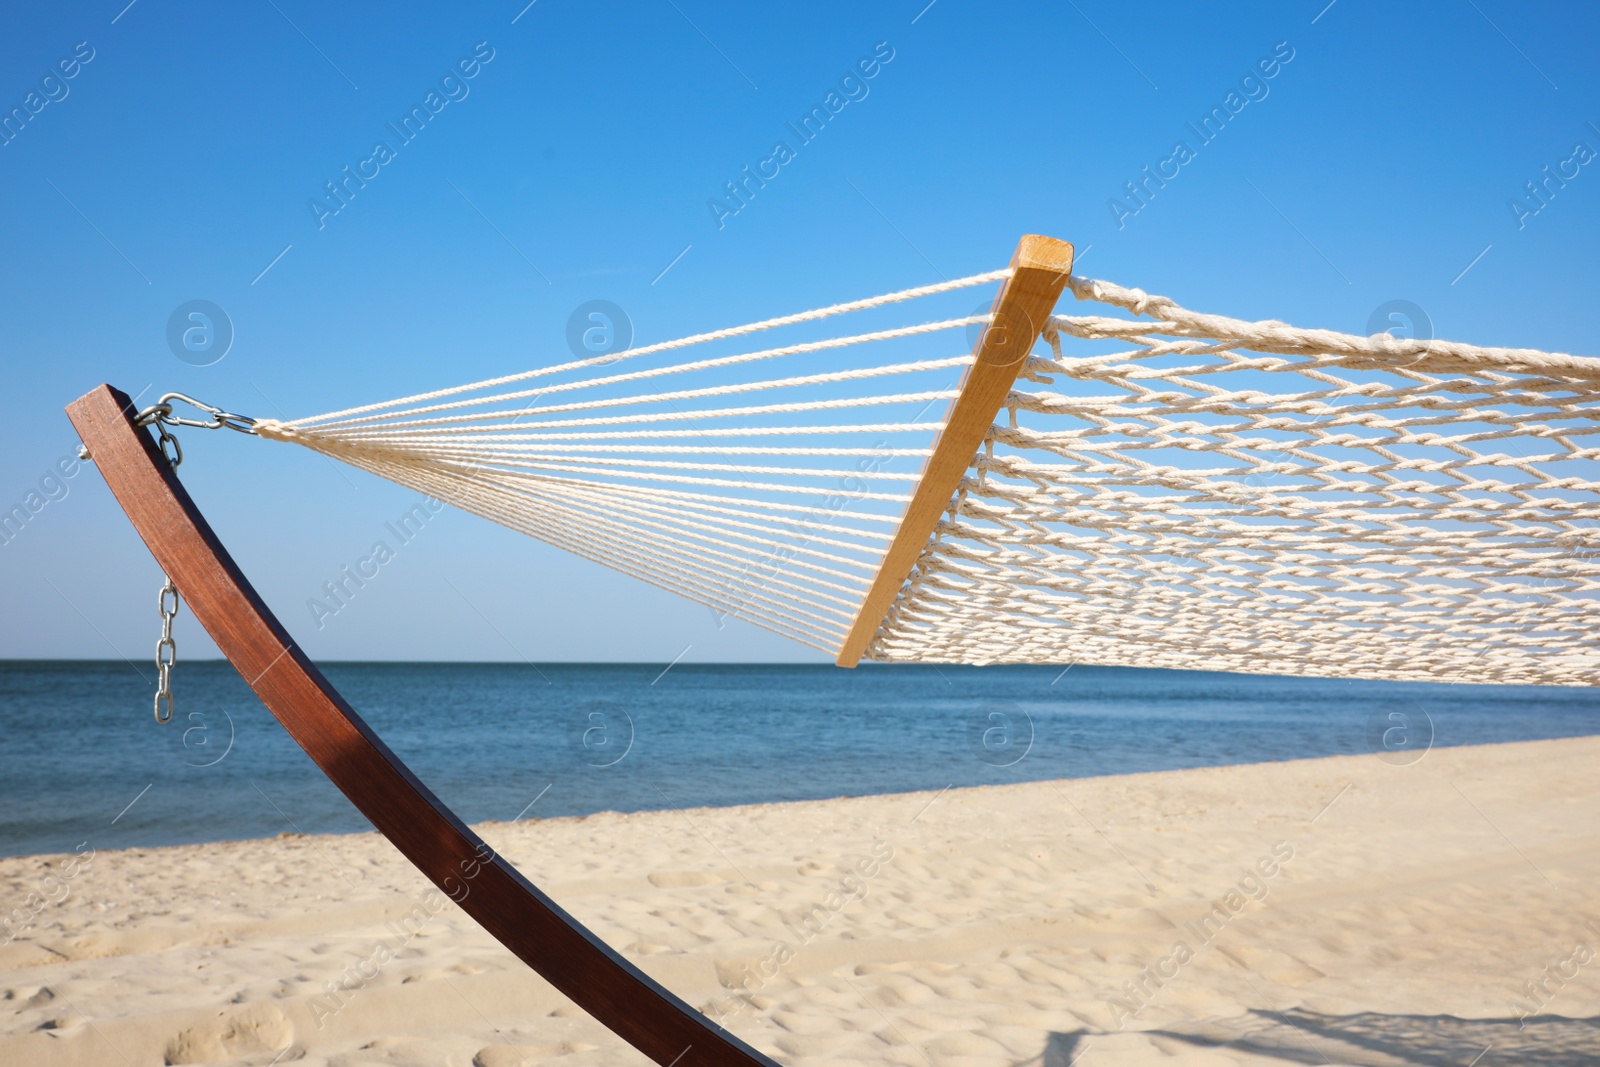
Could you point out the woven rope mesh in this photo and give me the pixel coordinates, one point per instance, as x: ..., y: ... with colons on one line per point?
x: 1166, y: 489
x: 763, y: 478
x: 1181, y: 490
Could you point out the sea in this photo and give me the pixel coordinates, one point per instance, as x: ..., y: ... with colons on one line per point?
x: 83, y: 761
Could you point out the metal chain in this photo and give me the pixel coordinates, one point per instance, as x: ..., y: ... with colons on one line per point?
x: 161, y: 416
x: 166, y: 652
x: 170, y: 449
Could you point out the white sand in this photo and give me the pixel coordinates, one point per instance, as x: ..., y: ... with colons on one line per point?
x: 1418, y: 903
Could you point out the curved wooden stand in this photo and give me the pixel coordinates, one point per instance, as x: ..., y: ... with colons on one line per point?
x: 523, y: 919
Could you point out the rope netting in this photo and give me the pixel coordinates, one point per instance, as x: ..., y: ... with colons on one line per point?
x: 1166, y: 489
x: 764, y: 482
x: 1248, y: 496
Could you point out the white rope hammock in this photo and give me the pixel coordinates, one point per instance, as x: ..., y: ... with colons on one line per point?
x: 764, y: 483
x: 1166, y: 489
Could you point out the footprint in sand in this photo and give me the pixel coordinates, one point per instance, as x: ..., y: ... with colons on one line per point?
x: 232, y: 1036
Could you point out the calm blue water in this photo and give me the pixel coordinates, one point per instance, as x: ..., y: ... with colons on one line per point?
x: 80, y: 745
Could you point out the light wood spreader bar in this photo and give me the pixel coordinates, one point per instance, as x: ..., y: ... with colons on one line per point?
x: 1021, y: 309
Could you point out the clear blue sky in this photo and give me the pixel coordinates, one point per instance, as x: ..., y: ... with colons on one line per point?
x: 175, y: 164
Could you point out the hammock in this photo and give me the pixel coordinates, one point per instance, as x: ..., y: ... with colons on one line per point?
x: 1163, y: 488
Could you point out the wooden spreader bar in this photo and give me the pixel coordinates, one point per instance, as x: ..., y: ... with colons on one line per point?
x: 1021, y: 309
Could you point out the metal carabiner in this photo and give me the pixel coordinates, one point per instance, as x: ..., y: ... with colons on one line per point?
x: 219, y: 418
x: 161, y: 413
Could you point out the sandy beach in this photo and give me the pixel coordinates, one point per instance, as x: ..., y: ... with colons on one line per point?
x: 1340, y: 911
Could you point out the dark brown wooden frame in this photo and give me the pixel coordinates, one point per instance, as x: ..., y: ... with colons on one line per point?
x: 378, y: 783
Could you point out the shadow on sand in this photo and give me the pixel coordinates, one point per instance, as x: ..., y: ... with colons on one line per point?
x: 1371, y: 1039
